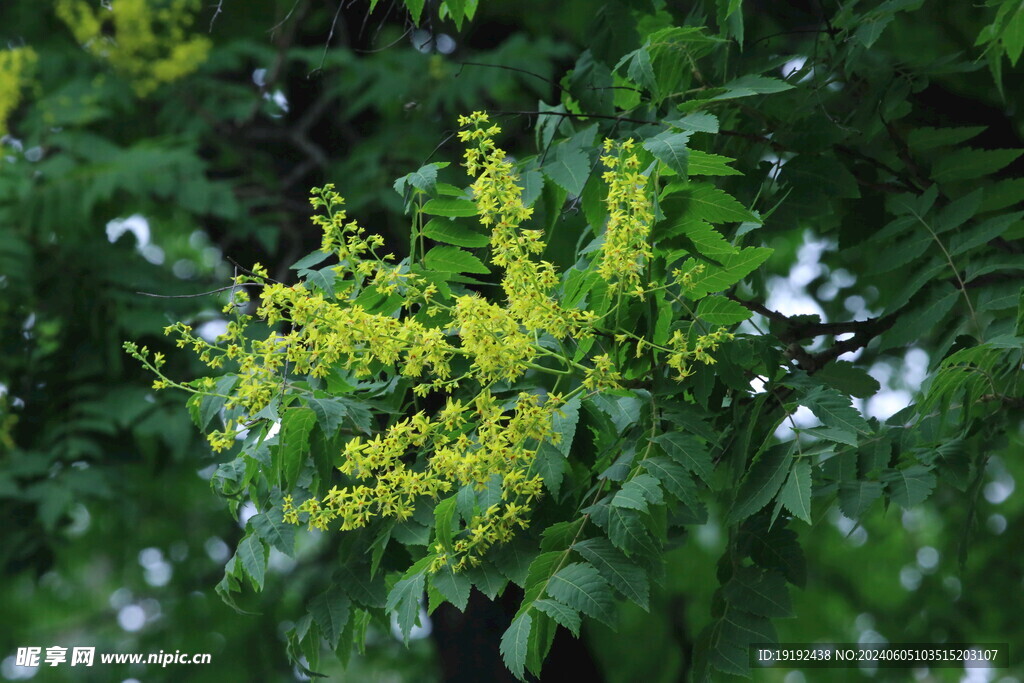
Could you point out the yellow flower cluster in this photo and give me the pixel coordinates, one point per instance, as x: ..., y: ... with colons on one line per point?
x: 471, y: 444
x: 16, y: 66
x: 328, y: 324
x: 626, y: 249
x: 499, y: 199
x: 146, y: 41
x: 681, y: 355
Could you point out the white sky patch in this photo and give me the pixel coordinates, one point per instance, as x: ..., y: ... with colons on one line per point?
x: 131, y: 618
x: 849, y: 355
x: 10, y: 669
x: 998, y: 491
x: 927, y: 559
x: 445, y: 44
x: 216, y: 549
x: 794, y: 65
x: 979, y: 674
x: 802, y: 417
x: 790, y: 300
x: 777, y: 163
x: 422, y: 40
x: 135, y: 224
x: 887, y: 403
x: 158, y: 570
x: 910, y: 578
x: 421, y: 631
x: 915, y: 368
x: 153, y: 254
x: 212, y: 329
x: 245, y: 513
x: 280, y: 99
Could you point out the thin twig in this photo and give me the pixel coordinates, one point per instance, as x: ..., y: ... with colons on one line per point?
x: 511, y: 68
x: 192, y: 296
x: 216, y: 13
x: 282, y: 22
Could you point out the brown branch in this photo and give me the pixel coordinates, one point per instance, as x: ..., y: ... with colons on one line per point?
x: 793, y: 331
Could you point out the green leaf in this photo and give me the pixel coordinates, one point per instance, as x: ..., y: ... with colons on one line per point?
x: 454, y: 586
x: 627, y: 531
x: 415, y: 8
x: 569, y: 169
x: 450, y: 232
x: 638, y: 492
x: 639, y: 69
x: 541, y: 569
x: 457, y: 11
x: 361, y: 587
x: 513, y: 644
x: 310, y: 260
x: 253, y: 555
x: 513, y: 559
x: 751, y: 84
x: 296, y: 424
x: 910, y: 486
x: 532, y: 183
x: 855, y: 497
x: 329, y: 414
x: 624, y: 411
x: 1003, y: 194
x: 796, y: 493
x: 966, y: 164
x: 231, y: 583
x: 453, y: 260
x: 323, y: 279
x: 982, y: 233
x: 921, y: 321
x: 564, y: 424
x: 330, y: 610
x: 835, y: 410
x: 444, y: 522
x: 670, y: 149
x: 424, y: 179
x: 562, y: 614
x: 450, y: 207
x: 679, y: 483
x: 209, y: 406
x: 708, y: 241
x: 775, y: 547
x: 734, y: 268
x: 709, y: 203
x: 488, y: 580
x: 275, y: 531
x: 688, y: 452
x: 700, y: 122
x: 762, y: 481
x: 560, y: 535
x: 625, y: 576
x: 718, y: 310
x: 705, y: 163
x: 736, y: 631
x: 550, y: 464
x: 760, y: 592
x: 580, y: 586
x: 404, y: 601
x: 925, y: 138
x: 848, y: 379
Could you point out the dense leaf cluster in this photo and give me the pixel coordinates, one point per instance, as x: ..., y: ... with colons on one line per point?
x: 616, y: 269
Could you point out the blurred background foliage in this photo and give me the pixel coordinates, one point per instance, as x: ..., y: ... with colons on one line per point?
x: 116, y: 182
